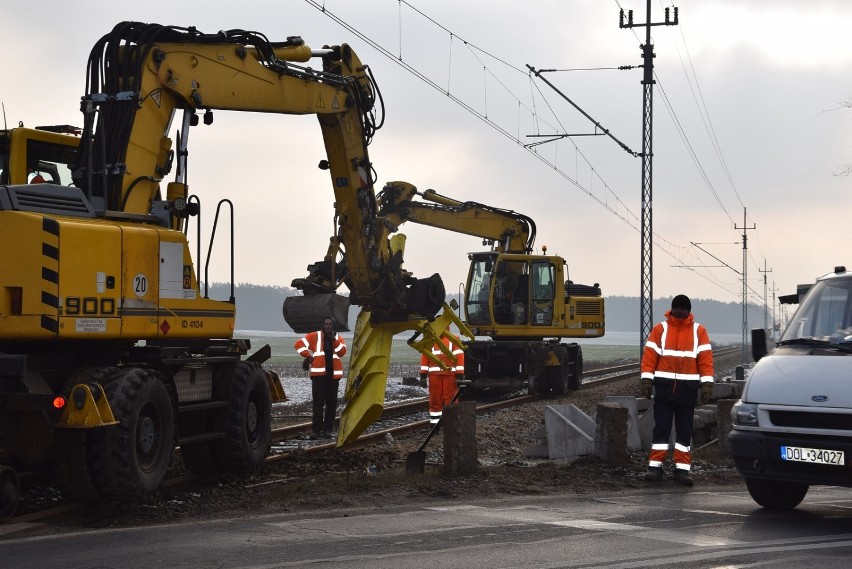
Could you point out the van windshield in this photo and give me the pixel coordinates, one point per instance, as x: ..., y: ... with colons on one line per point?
x: 825, y: 314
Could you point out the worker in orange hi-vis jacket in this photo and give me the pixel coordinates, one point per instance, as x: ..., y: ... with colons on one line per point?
x: 677, y: 366
x: 443, y: 384
x: 322, y: 352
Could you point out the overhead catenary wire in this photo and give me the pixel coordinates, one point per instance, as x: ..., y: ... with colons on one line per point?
x: 616, y: 204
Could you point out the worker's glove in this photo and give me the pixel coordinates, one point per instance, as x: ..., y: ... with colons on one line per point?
x: 646, y: 387
x: 306, y: 363
x: 706, y: 392
x: 422, y: 380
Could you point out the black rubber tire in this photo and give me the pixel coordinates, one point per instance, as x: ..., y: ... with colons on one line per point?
x: 73, y: 464
x: 248, y: 431
x: 131, y: 459
x: 776, y: 494
x: 561, y: 384
x: 533, y: 386
x: 575, y: 379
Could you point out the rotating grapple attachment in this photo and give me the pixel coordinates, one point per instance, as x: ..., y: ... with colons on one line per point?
x: 306, y: 313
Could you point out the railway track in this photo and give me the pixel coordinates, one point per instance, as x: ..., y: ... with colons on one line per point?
x: 397, y: 420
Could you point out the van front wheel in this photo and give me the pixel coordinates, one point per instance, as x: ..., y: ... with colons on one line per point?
x: 776, y: 494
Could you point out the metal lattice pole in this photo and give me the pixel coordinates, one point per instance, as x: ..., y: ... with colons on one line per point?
x: 646, y: 285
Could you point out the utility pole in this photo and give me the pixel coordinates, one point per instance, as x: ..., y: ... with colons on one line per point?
x: 745, y: 285
x: 775, y: 315
x: 765, y: 305
x: 646, y: 297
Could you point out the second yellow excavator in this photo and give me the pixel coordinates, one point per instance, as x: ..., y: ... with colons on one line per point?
x: 518, y: 304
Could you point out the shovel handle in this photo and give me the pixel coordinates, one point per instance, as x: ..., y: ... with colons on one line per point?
x: 437, y: 425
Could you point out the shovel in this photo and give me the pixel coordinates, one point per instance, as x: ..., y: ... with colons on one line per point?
x: 415, y: 463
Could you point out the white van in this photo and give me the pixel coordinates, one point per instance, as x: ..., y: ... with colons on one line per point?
x: 792, y: 428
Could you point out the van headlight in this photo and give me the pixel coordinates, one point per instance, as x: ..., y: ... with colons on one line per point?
x: 744, y: 414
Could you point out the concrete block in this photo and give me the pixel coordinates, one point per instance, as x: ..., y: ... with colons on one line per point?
x: 725, y: 391
x: 634, y: 439
x: 459, y: 425
x: 570, y: 432
x: 611, y: 433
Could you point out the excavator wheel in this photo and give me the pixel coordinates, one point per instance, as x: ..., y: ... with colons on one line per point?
x: 575, y: 375
x: 248, y: 434
x: 131, y: 459
x: 10, y: 492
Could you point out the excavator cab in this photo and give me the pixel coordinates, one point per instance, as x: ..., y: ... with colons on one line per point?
x: 521, y: 296
x: 37, y: 155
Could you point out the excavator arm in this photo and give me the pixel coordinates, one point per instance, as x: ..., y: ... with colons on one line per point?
x: 140, y: 75
x: 507, y: 231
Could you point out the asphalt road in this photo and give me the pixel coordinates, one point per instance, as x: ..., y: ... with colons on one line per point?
x: 664, y: 528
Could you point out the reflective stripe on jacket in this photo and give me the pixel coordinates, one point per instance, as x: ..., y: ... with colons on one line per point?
x: 678, y: 349
x: 312, y: 345
x: 455, y: 364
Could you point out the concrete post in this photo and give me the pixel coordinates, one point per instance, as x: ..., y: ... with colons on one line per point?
x: 459, y: 426
x: 611, y: 433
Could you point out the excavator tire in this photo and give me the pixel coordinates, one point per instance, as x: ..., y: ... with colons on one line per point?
x: 306, y: 313
x: 248, y: 433
x: 575, y: 379
x: 131, y: 459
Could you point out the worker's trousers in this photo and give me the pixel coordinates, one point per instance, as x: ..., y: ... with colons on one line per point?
x: 442, y: 389
x: 664, y: 413
x: 324, y: 394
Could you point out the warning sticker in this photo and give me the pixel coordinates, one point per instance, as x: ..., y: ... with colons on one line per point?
x: 90, y: 325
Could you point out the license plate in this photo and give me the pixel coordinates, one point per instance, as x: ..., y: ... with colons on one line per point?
x: 812, y: 455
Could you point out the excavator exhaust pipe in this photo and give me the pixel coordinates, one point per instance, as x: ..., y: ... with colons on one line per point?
x: 306, y: 313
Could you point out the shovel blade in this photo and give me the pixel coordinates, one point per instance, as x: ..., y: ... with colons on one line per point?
x: 415, y: 463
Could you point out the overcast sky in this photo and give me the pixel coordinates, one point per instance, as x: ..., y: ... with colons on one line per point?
x: 747, y: 114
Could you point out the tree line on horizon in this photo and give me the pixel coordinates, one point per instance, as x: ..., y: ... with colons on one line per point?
x: 260, y: 307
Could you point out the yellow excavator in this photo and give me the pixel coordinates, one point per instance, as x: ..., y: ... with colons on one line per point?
x: 111, y: 351
x: 520, y: 305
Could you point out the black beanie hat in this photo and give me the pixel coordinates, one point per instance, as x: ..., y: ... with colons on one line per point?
x: 681, y: 301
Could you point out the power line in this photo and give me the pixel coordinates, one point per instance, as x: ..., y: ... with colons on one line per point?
x: 604, y: 196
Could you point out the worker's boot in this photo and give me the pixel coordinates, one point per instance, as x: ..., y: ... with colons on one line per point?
x: 683, y: 477
x: 654, y: 474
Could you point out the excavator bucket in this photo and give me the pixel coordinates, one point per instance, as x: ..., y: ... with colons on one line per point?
x: 367, y: 377
x: 305, y: 313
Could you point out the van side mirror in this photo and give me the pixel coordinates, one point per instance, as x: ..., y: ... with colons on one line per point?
x: 759, y: 346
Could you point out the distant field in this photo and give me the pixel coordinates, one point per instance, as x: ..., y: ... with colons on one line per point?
x: 283, y: 352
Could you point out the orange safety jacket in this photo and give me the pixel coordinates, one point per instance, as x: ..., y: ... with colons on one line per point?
x: 312, y: 345
x: 677, y: 352
x: 442, y: 383
x: 455, y: 364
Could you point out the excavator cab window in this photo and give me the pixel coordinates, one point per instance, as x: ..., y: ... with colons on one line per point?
x: 511, y: 296
x: 49, y: 163
x: 543, y: 289
x: 479, y: 291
